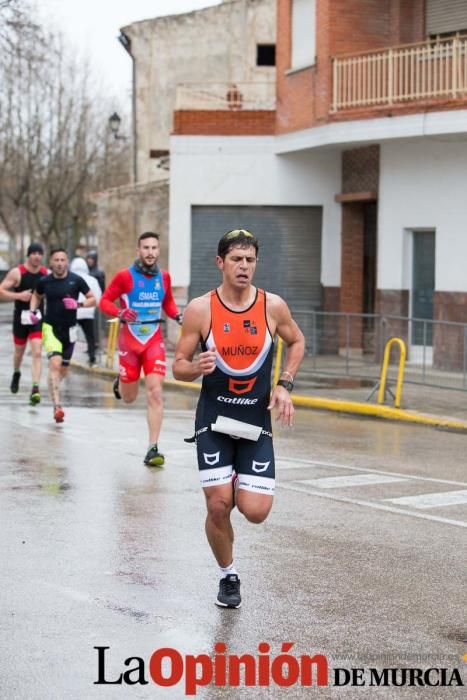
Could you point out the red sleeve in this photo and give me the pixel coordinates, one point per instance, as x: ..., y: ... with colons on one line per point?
x: 121, y: 284
x: 168, y: 304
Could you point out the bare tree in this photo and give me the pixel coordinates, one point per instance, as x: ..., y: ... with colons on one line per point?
x: 15, y: 16
x: 53, y: 139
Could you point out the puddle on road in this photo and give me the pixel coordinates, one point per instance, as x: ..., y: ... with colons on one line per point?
x: 456, y: 636
x: 139, y: 615
x: 51, y: 488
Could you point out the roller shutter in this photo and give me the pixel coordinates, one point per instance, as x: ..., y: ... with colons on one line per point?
x: 289, y: 255
x: 446, y: 16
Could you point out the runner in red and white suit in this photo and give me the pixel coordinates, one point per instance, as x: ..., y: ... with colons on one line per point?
x: 143, y: 292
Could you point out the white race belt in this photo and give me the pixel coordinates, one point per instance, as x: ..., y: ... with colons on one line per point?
x: 26, y: 318
x: 236, y: 428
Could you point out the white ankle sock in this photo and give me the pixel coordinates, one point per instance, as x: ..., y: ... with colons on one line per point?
x: 224, y: 572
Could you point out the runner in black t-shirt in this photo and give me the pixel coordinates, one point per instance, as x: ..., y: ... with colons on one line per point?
x: 61, y: 290
x: 18, y: 286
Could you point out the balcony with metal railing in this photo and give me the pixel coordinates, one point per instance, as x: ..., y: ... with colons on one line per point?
x: 434, y: 71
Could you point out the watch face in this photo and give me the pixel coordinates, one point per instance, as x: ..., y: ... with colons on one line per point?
x: 287, y: 385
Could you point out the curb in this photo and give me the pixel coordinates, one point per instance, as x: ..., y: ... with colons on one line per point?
x: 378, y: 411
x: 336, y: 405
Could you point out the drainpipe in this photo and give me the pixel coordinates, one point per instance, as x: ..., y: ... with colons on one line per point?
x: 125, y: 41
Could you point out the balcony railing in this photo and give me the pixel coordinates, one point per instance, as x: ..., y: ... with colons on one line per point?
x: 429, y: 71
x: 226, y: 96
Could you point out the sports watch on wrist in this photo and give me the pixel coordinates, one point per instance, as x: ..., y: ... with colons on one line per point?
x: 287, y: 385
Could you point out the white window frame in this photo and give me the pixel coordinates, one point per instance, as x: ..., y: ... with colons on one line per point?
x: 303, y: 34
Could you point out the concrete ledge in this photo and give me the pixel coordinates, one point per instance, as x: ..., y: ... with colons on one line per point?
x: 336, y: 405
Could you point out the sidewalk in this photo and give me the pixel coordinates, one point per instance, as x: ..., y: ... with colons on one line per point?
x: 445, y: 408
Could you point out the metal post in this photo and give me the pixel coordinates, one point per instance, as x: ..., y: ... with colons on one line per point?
x: 424, y: 352
x: 313, y: 345
x: 114, y: 325
x: 465, y: 356
x: 382, y: 336
x: 347, y: 343
x: 400, y: 374
x: 278, y: 364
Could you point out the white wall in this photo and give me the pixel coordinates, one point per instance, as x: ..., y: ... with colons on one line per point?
x: 245, y: 171
x: 423, y: 185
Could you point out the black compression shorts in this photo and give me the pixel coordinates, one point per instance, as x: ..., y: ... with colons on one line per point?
x: 220, y: 454
x: 21, y: 332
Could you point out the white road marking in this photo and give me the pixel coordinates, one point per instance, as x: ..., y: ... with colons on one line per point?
x: 371, y: 504
x: 298, y: 463
x: 79, y: 432
x: 338, y: 482
x: 432, y: 500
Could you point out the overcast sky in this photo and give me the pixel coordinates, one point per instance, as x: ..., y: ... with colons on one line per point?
x: 93, y: 27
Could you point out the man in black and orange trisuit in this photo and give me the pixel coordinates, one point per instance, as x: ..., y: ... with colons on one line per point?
x: 236, y: 324
x: 18, y: 286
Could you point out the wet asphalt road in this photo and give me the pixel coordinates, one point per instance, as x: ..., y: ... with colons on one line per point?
x: 97, y: 550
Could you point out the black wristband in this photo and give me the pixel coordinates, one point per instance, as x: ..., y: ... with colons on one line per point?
x: 287, y: 385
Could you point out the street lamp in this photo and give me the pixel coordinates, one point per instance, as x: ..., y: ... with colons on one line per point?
x: 114, y: 123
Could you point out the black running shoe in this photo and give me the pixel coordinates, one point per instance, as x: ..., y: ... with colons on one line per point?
x: 14, y: 386
x: 35, y: 397
x: 117, y: 394
x: 154, y: 458
x: 229, y: 592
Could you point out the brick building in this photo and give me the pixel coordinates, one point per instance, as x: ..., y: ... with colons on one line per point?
x: 354, y: 179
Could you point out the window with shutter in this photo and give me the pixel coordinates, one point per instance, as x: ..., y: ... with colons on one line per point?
x: 446, y: 17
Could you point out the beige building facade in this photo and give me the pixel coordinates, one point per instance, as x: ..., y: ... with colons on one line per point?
x: 178, y: 59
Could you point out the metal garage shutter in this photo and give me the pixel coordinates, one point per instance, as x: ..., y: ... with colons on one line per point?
x: 289, y: 254
x: 445, y: 16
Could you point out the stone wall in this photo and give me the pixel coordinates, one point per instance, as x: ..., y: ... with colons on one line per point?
x: 123, y: 214
x: 449, y: 341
